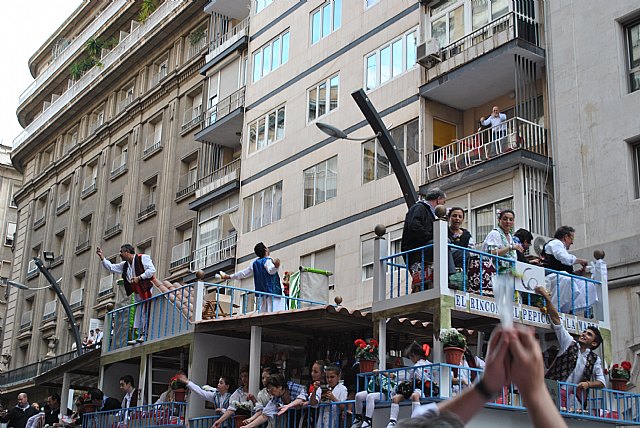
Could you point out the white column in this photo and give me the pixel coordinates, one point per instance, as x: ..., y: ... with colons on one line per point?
x: 379, y: 290
x: 64, y: 393
x: 255, y: 350
x: 198, y: 301
x: 440, y: 256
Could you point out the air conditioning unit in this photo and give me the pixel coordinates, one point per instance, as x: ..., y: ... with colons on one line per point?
x: 538, y: 243
x: 429, y: 53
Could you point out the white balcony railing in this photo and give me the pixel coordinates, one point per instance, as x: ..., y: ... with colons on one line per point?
x: 88, y: 186
x: 218, y: 178
x: 106, y: 285
x: 515, y: 133
x: 225, y: 106
x: 197, y: 48
x: 181, y: 254
x: 76, y: 44
x: 128, y: 44
x: 214, y: 253
x: 227, y: 39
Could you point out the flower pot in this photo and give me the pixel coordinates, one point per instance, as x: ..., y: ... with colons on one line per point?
x: 453, y: 355
x: 619, y: 384
x: 367, y: 366
x: 238, y: 419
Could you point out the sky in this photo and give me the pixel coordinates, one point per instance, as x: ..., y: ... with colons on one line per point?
x: 24, y: 27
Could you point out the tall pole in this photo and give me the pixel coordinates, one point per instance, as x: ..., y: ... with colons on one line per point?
x: 388, y: 145
x: 63, y: 300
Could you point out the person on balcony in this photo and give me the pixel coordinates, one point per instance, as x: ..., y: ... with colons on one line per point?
x: 131, y: 393
x: 266, y: 280
x: 239, y: 396
x: 18, y: 416
x: 574, y: 294
x: 285, y: 395
x: 263, y: 397
x: 496, y: 121
x: 576, y: 362
x: 219, y: 396
x: 458, y: 235
x: 418, y: 232
x: 137, y: 272
x: 102, y: 402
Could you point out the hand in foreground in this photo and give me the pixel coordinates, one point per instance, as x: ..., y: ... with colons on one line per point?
x: 182, y: 378
x: 99, y: 253
x: 527, y: 369
x: 497, y: 371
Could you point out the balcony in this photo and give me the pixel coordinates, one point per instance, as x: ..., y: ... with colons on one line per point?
x: 106, y: 286
x: 30, y: 371
x: 77, y: 44
x: 32, y: 269
x: 119, y: 165
x: 223, y: 121
x: 76, y: 299
x: 123, y: 104
x: 192, y: 117
x: 195, y: 49
x: 88, y: 187
x: 215, y: 253
x: 187, y: 184
x: 217, y: 184
x: 49, y: 313
x: 158, y: 77
x: 180, y: 255
x: 132, y: 42
x: 481, y: 147
x: 63, y: 203
x: 83, y: 242
x: 151, y: 149
x: 147, y: 206
x: 40, y: 221
x: 497, y: 55
x: 25, y: 320
x: 113, y: 226
x: 234, y: 40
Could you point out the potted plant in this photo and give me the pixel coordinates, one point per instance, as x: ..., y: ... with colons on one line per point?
x: 619, y: 375
x: 243, y: 411
x: 179, y: 389
x: 453, y: 344
x: 146, y: 9
x: 366, y: 353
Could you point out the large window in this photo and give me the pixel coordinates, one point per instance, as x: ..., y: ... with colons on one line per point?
x: 271, y: 56
x: 261, y: 4
x: 266, y: 129
x: 375, y: 163
x: 320, y: 182
x: 323, y: 98
x: 486, y: 218
x: 10, y: 231
x: 391, y: 59
x: 633, y: 43
x: 325, y: 20
x: 263, y: 208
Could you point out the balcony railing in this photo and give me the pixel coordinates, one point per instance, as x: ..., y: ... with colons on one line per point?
x: 49, y: 311
x: 214, y: 253
x: 224, y: 107
x: 218, y: 178
x: 153, y: 415
x: 197, y: 48
x: 158, y: 76
x: 513, y: 25
x: 227, y: 39
x: 513, y: 134
x: 119, y: 164
x: 30, y: 371
x: 25, y: 320
x: 113, y: 225
x: 83, y: 241
x: 180, y: 254
x: 76, y: 44
x: 129, y: 43
x: 75, y: 300
x: 63, y: 202
x: 124, y: 103
x: 192, y: 117
x: 187, y: 183
x: 147, y: 205
x: 152, y: 148
x: 106, y: 286
x: 39, y: 221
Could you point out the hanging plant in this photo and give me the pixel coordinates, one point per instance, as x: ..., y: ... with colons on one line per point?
x: 146, y: 9
x: 94, y: 47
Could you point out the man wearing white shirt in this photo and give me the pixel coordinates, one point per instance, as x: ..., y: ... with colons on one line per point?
x: 137, y: 271
x: 496, y: 119
x: 576, y: 362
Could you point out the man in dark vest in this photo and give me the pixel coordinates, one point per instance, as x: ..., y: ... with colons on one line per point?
x: 264, y: 270
x: 576, y: 361
x: 137, y: 271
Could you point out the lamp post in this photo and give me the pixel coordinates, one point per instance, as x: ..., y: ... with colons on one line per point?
x: 54, y: 284
x: 384, y: 137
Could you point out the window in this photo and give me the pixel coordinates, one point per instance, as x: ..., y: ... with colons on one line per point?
x: 448, y: 18
x: 70, y: 139
x: 114, y: 219
x: 148, y: 198
x: 393, y: 239
x: 40, y: 210
x: 192, y: 109
x: 266, y: 129
x: 261, y: 4
x: 323, y: 259
x: 323, y: 98
x: 271, y: 56
x: 145, y: 248
x: 58, y: 248
x: 90, y: 178
x: 188, y: 181
x: 120, y: 154
x: 320, y: 182
x: 375, y: 163
x: 325, y: 20
x: 9, y: 233
x: 64, y: 190
x: 154, y: 135
x: 125, y: 96
x: 159, y: 70
x: 181, y: 252
x: 84, y: 234
x: 97, y: 120
x: 633, y: 43
x: 636, y: 168
x: 263, y: 208
x: 391, y: 60
x: 369, y: 3
x: 12, y: 200
x: 486, y: 218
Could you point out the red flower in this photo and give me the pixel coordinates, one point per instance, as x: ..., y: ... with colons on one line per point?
x: 362, y: 345
x: 359, y: 343
x: 626, y: 365
x: 615, y: 366
x: 373, y: 343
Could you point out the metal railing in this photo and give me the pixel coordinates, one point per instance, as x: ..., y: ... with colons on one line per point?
x: 113, y: 225
x: 180, y: 254
x: 516, y: 24
x: 187, y: 183
x: 224, y: 107
x: 129, y: 43
x: 83, y: 240
x: 30, y: 371
x: 123, y: 104
x: 218, y: 178
x: 89, y: 185
x: 147, y: 204
x: 163, y: 315
x: 152, y: 148
x: 214, y: 253
x: 513, y: 134
x: 106, y: 285
x: 192, y: 117
x: 39, y: 221
x: 49, y: 312
x: 75, y: 45
x: 240, y: 29
x: 63, y: 201
x: 157, y: 77
x: 152, y: 415
x: 119, y: 164
x: 197, y: 48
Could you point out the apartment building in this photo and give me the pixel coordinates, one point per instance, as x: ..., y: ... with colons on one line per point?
x: 192, y: 135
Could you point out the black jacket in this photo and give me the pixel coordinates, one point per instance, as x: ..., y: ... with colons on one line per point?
x: 418, y: 230
x: 111, y: 404
x: 17, y: 417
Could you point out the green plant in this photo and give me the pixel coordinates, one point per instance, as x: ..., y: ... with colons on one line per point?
x: 622, y: 371
x: 146, y: 9
x: 196, y: 36
x: 76, y: 70
x: 94, y: 47
x: 450, y: 337
x: 366, y: 350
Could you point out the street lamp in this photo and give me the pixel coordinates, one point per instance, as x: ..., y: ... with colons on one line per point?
x: 54, y: 284
x: 385, y: 140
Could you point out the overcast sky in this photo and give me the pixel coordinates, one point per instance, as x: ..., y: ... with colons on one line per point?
x: 24, y: 27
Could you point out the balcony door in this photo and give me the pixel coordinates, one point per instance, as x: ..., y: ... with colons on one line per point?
x: 444, y: 133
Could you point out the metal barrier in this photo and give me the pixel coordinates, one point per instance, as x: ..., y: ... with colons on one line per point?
x: 599, y: 404
x: 154, y: 415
